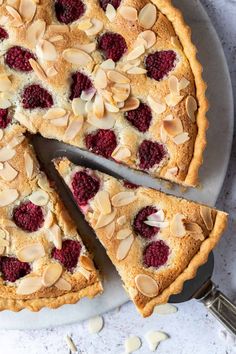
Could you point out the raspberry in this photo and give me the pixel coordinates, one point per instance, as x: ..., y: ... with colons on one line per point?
x: 12, y: 269
x: 102, y: 142
x: 28, y: 216
x: 114, y: 3
x: 159, y: 64
x: 130, y: 185
x: 156, y: 254
x: 113, y: 45
x: 80, y: 82
x: 34, y: 96
x: 140, y: 227
x: 84, y: 187
x: 4, y: 118
x: 68, y: 11
x: 3, y: 34
x: 68, y: 255
x: 150, y: 154
x: 140, y: 118
x: 18, y: 58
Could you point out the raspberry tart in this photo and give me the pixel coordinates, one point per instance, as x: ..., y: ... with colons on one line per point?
x: 43, y: 261
x: 118, y: 78
x: 156, y: 241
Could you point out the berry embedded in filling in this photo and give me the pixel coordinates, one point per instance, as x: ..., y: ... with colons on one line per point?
x: 80, y: 82
x: 150, y: 154
x: 113, y: 45
x: 3, y: 34
x: 84, y: 187
x: 18, y: 58
x: 4, y: 118
x: 68, y: 11
x: 28, y: 216
x: 140, y: 117
x: 12, y: 269
x: 159, y: 64
x: 102, y: 142
x: 130, y: 185
x: 139, y: 225
x: 35, y: 96
x: 114, y: 3
x: 156, y: 254
x: 68, y: 255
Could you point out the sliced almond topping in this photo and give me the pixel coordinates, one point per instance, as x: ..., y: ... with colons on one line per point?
x: 29, y: 164
x: 173, y: 83
x: 1, y: 134
x: 130, y: 104
x: 87, y: 95
x: 4, y: 103
x: 103, y: 203
x: 29, y: 285
x: 129, y: 13
x: 124, y: 247
x: 183, y: 83
x: 110, y: 13
x: 35, y: 32
x: 121, y: 220
x: 147, y: 16
x: 15, y: 14
x: 27, y: 9
x: 56, y: 38
x: 107, y: 122
x: 25, y: 121
x: 177, y: 227
x: 86, y: 262
x: 173, y: 127
x: 78, y: 106
x: 51, y: 71
x: 84, y: 272
x: 146, y: 285
x: 149, y: 37
x: 122, y: 234
x: 88, y: 47
x: 43, y: 183
x: 120, y: 92
x: 46, y: 50
x: 84, y: 25
x: 31, y: 252
x: 56, y: 235
x: 39, y: 197
x: 195, y: 230
x: 8, y: 173
x: 109, y: 230
x: 156, y: 105
x: 63, y: 284
x: 4, y: 243
x: 6, y: 154
x: 51, y: 274
x: 5, y: 83
x: 48, y: 220
x: 121, y: 153
x: 60, y: 122
x: 123, y: 198
x: 191, y: 107
x: 15, y: 141
x: 98, y: 106
x: 117, y: 77
x: 206, y: 215
x: 100, y: 80
x: 97, y: 26
x: 136, y: 71
x: 104, y: 220
x: 136, y: 53
x: 54, y: 113
x: 172, y: 99
x: 111, y: 108
x: 76, y: 56
x: 181, y: 138
x: 74, y: 128
x: 108, y: 64
x: 39, y: 72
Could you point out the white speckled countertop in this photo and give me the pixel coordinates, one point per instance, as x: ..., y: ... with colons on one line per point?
x: 191, y: 329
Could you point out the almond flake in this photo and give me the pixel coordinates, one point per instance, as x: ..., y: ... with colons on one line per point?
x: 100, y: 80
x: 29, y: 285
x: 31, y: 252
x: 46, y: 50
x: 132, y: 344
x: 98, y: 106
x: 121, y: 153
x: 121, y: 220
x: 158, y: 216
x: 149, y: 37
x: 123, y: 198
x: 173, y: 127
x: 159, y: 224
x: 108, y: 64
x: 63, y: 284
x: 48, y: 220
x: 38, y: 70
x: 78, y: 106
x: 87, y: 95
x: 51, y: 274
x: 195, y: 230
x: 60, y: 122
x: 129, y: 13
x: 177, y: 227
x: 55, y: 233
x: 69, y: 340
x: 147, y: 16
x: 165, y: 309
x: 6, y: 154
x: 136, y: 71
x: 1, y: 134
x: 206, y: 215
x: 156, y: 105
x: 95, y: 324
x: 15, y: 141
x: 181, y: 138
x: 136, y: 53
x: 191, y: 107
x: 74, y: 128
x: 15, y: 14
x: 5, y: 83
x: 84, y: 272
x: 173, y: 83
x: 172, y: 99
x: 124, y: 247
x: 86, y: 262
x: 102, y: 200
x: 109, y: 230
x: 97, y: 26
x: 51, y: 71
x: 117, y: 77
x: 153, y: 339
x: 8, y: 173
x: 130, y: 104
x: 107, y: 122
x: 25, y: 121
x: 111, y: 108
x: 146, y: 285
x: 88, y: 47
x: 76, y: 56
x: 4, y: 103
x: 84, y: 25
x: 35, y: 32
x: 57, y: 38
x: 104, y: 220
x: 110, y: 13
x: 39, y: 197
x: 43, y: 183
x: 29, y: 164
x: 183, y: 83
x: 123, y: 233
x: 27, y: 9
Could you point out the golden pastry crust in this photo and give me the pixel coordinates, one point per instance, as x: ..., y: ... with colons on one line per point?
x: 183, y: 159
x: 189, y: 230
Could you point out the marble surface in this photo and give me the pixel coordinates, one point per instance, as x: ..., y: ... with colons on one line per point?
x: 191, y: 329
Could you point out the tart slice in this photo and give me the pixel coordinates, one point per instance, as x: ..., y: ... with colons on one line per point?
x: 156, y: 241
x: 43, y: 261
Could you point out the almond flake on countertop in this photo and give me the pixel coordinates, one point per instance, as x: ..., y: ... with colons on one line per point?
x: 95, y: 324
x: 123, y: 198
x: 148, y: 16
x: 206, y: 214
x: 8, y: 196
x: 71, y: 344
x: 132, y: 344
x: 154, y: 338
x: 146, y: 285
x: 8, y: 173
x: 165, y: 309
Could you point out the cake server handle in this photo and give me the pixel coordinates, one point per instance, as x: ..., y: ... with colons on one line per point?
x: 219, y: 305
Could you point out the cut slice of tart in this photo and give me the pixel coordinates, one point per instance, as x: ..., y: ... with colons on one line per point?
x: 43, y: 261
x: 156, y: 241
x: 120, y: 79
